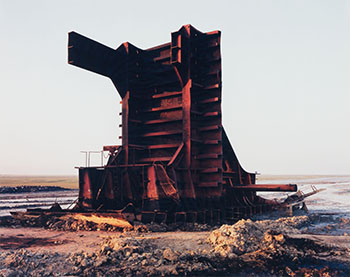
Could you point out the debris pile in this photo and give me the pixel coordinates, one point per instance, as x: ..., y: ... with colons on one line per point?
x: 275, y: 245
x: 131, y: 256
x: 117, y: 256
x: 80, y: 222
x: 246, y: 235
x: 28, y: 263
x: 77, y: 223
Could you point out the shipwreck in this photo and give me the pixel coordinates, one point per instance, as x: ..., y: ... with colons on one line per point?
x: 175, y: 162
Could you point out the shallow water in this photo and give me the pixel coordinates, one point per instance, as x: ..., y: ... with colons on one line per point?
x: 21, y: 201
x: 335, y: 199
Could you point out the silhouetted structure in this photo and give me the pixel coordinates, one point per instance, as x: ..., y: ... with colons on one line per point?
x: 176, y: 162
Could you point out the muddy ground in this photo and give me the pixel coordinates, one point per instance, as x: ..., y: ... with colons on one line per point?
x: 292, y: 246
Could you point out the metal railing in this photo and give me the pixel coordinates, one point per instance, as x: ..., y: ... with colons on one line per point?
x: 88, y: 157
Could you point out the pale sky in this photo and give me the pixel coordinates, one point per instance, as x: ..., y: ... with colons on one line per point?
x: 286, y: 84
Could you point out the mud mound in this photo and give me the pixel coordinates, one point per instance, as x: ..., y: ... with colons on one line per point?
x: 274, y: 246
x: 246, y: 235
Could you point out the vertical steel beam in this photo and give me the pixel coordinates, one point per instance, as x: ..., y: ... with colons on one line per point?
x: 152, y: 191
x: 186, y: 120
x: 125, y: 129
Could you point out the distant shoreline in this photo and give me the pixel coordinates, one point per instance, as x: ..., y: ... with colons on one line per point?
x: 68, y: 182
x: 26, y: 189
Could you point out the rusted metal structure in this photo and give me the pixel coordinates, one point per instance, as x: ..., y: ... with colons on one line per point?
x: 176, y: 162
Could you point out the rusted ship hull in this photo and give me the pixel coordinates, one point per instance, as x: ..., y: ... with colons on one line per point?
x: 175, y: 161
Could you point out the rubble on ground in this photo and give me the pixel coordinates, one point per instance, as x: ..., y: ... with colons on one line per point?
x: 329, y: 225
x: 246, y: 235
x: 266, y: 247
x: 272, y: 245
x: 85, y: 223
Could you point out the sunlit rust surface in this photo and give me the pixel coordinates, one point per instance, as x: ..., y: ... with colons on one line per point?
x: 103, y: 220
